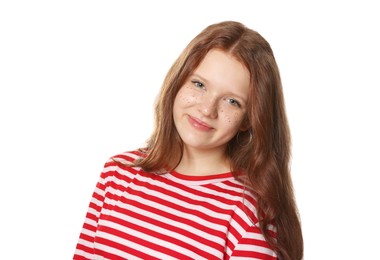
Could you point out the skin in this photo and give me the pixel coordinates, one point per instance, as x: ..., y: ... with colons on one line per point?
x: 208, y: 112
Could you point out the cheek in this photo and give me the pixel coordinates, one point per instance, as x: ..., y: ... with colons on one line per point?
x: 232, y: 119
x: 186, y: 96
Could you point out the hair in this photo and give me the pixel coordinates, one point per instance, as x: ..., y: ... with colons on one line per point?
x: 265, y: 161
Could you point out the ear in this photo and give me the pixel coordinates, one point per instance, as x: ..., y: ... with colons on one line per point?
x: 245, y: 125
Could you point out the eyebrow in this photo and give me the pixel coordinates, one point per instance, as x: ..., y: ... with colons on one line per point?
x: 199, y: 76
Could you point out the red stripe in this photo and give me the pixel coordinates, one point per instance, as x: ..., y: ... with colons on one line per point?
x: 118, y: 180
x: 252, y: 254
x: 222, y: 198
x: 123, y: 248
x: 173, y: 228
x: 184, y: 220
x: 155, y: 234
x: 185, y: 199
x: 79, y: 257
x: 85, y: 249
x: 89, y: 227
x: 129, y: 248
x: 223, y: 190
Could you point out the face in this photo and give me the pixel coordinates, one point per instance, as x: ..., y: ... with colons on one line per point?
x: 210, y: 107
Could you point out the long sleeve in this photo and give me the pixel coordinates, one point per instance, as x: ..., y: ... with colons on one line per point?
x: 139, y: 215
x: 252, y: 245
x: 85, y: 246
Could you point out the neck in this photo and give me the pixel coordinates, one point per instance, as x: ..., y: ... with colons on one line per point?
x: 203, y: 162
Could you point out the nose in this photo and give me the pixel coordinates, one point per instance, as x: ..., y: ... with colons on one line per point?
x: 209, y: 106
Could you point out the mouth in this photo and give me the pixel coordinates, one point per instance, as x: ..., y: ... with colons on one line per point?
x: 199, y: 124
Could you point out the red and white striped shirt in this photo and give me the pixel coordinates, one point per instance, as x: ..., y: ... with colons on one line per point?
x: 138, y: 215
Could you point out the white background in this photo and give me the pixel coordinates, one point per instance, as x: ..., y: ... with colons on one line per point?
x: 78, y: 80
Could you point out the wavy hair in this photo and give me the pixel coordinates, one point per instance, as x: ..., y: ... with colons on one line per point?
x: 265, y: 161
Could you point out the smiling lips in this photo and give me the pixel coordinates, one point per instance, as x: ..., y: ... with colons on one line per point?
x: 199, y: 124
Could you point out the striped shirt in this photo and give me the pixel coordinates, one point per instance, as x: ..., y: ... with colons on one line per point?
x: 138, y: 215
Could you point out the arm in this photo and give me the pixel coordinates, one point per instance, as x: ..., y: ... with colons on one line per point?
x: 252, y: 245
x: 85, y: 245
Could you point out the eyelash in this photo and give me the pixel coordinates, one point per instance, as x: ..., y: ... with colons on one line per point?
x: 232, y: 101
x: 198, y: 84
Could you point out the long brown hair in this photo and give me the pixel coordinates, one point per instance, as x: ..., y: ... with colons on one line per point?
x: 265, y: 160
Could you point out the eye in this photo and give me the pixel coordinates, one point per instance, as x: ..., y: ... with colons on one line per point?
x: 233, y: 102
x: 198, y: 84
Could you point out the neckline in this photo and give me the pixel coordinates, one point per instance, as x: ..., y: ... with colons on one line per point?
x: 197, y: 179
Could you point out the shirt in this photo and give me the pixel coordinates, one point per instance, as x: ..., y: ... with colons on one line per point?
x: 139, y: 215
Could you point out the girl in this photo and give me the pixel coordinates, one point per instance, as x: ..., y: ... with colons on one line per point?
x: 213, y: 181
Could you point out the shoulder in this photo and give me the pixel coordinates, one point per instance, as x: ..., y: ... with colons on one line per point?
x: 122, y: 165
x: 126, y: 158
x: 253, y: 245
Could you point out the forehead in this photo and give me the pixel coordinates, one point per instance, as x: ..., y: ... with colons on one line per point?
x: 221, y: 68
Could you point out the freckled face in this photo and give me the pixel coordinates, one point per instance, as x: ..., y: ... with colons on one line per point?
x: 209, y: 108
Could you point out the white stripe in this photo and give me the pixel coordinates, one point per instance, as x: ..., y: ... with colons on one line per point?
x: 236, y: 225
x: 232, y: 239
x: 184, y: 193
x: 88, y: 232
x: 95, y: 200
x: 173, y: 222
x: 83, y: 253
x: 112, y: 250
x: 178, y: 236
x: 176, y: 201
x: 129, y: 154
x: 240, y: 231
x: 193, y: 196
x: 229, y: 251
x: 93, y: 211
x: 91, y: 222
x: 135, y: 246
x: 115, y: 168
x: 254, y: 235
x: 99, y: 191
x: 254, y: 248
x: 219, y: 193
x: 194, y: 183
x: 243, y: 215
x: 250, y: 247
x: 86, y: 244
x: 225, y: 186
x: 243, y: 258
x: 272, y: 228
